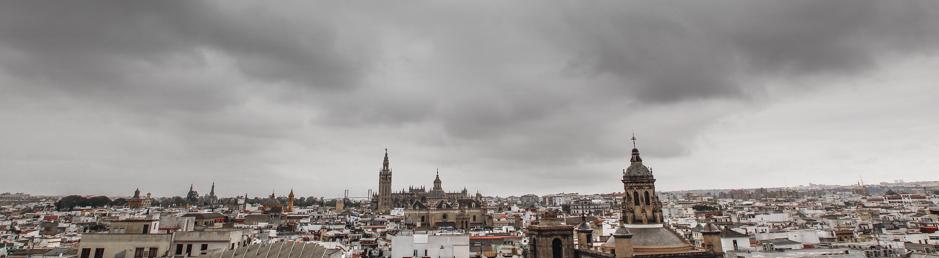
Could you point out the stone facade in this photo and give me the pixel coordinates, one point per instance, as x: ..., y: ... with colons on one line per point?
x: 550, y: 239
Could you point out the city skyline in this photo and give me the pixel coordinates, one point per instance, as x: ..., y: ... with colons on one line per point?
x: 502, y: 97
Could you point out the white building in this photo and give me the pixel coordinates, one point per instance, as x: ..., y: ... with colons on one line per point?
x: 804, y: 236
x: 429, y: 245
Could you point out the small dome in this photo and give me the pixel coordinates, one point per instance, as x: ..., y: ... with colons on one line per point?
x: 270, y: 203
x: 637, y: 169
x: 622, y: 232
x: 584, y: 227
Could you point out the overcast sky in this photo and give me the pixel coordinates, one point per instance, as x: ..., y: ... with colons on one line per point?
x: 504, y: 97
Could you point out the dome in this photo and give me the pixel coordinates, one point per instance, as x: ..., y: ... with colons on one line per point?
x: 622, y: 232
x: 638, y: 169
x: 270, y: 203
x: 584, y: 226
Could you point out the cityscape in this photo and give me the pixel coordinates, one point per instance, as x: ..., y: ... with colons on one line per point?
x: 469, y: 129
x: 853, y: 220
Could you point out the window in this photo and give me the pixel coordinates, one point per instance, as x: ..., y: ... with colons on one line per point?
x: 138, y: 252
x: 635, y: 198
x: 557, y: 249
x: 146, y: 228
x: 153, y: 252
x: 474, y: 218
x: 86, y: 252
x: 444, y: 216
x: 99, y: 252
x: 203, y: 248
x: 647, y: 198
x: 179, y: 249
x: 189, y: 250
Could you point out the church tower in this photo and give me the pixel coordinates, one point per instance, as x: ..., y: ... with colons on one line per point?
x: 641, y: 204
x: 384, y: 186
x: 437, y: 183
x: 290, y: 201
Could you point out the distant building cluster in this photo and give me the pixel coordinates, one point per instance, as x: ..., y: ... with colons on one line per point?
x: 897, y: 219
x: 433, y: 209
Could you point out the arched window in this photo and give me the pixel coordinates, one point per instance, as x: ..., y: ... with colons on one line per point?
x: 444, y: 216
x: 557, y: 250
x: 635, y: 198
x: 647, y: 198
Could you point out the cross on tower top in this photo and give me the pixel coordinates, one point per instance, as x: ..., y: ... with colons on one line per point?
x: 634, y: 140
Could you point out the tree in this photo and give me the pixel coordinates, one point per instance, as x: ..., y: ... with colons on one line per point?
x: 178, y: 201
x: 119, y: 202
x: 68, y: 203
x: 99, y: 201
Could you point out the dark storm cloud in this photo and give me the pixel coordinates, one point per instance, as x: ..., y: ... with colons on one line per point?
x: 497, y: 84
x: 674, y: 51
x: 101, y: 44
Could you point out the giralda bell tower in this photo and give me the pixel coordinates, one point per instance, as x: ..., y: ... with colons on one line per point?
x: 384, y: 186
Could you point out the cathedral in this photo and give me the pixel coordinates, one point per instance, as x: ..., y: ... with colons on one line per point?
x: 431, y: 209
x: 640, y: 234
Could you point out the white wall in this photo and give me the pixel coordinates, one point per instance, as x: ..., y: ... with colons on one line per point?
x: 743, y: 244
x: 808, y: 236
x: 452, y: 246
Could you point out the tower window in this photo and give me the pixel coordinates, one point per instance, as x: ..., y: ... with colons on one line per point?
x: 557, y: 249
x: 635, y: 198
x: 647, y: 198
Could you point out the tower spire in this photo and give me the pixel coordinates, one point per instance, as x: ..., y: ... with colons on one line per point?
x: 386, y: 164
x: 437, y: 182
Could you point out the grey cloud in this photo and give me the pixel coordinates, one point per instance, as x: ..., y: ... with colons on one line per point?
x: 100, y: 44
x: 502, y: 83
